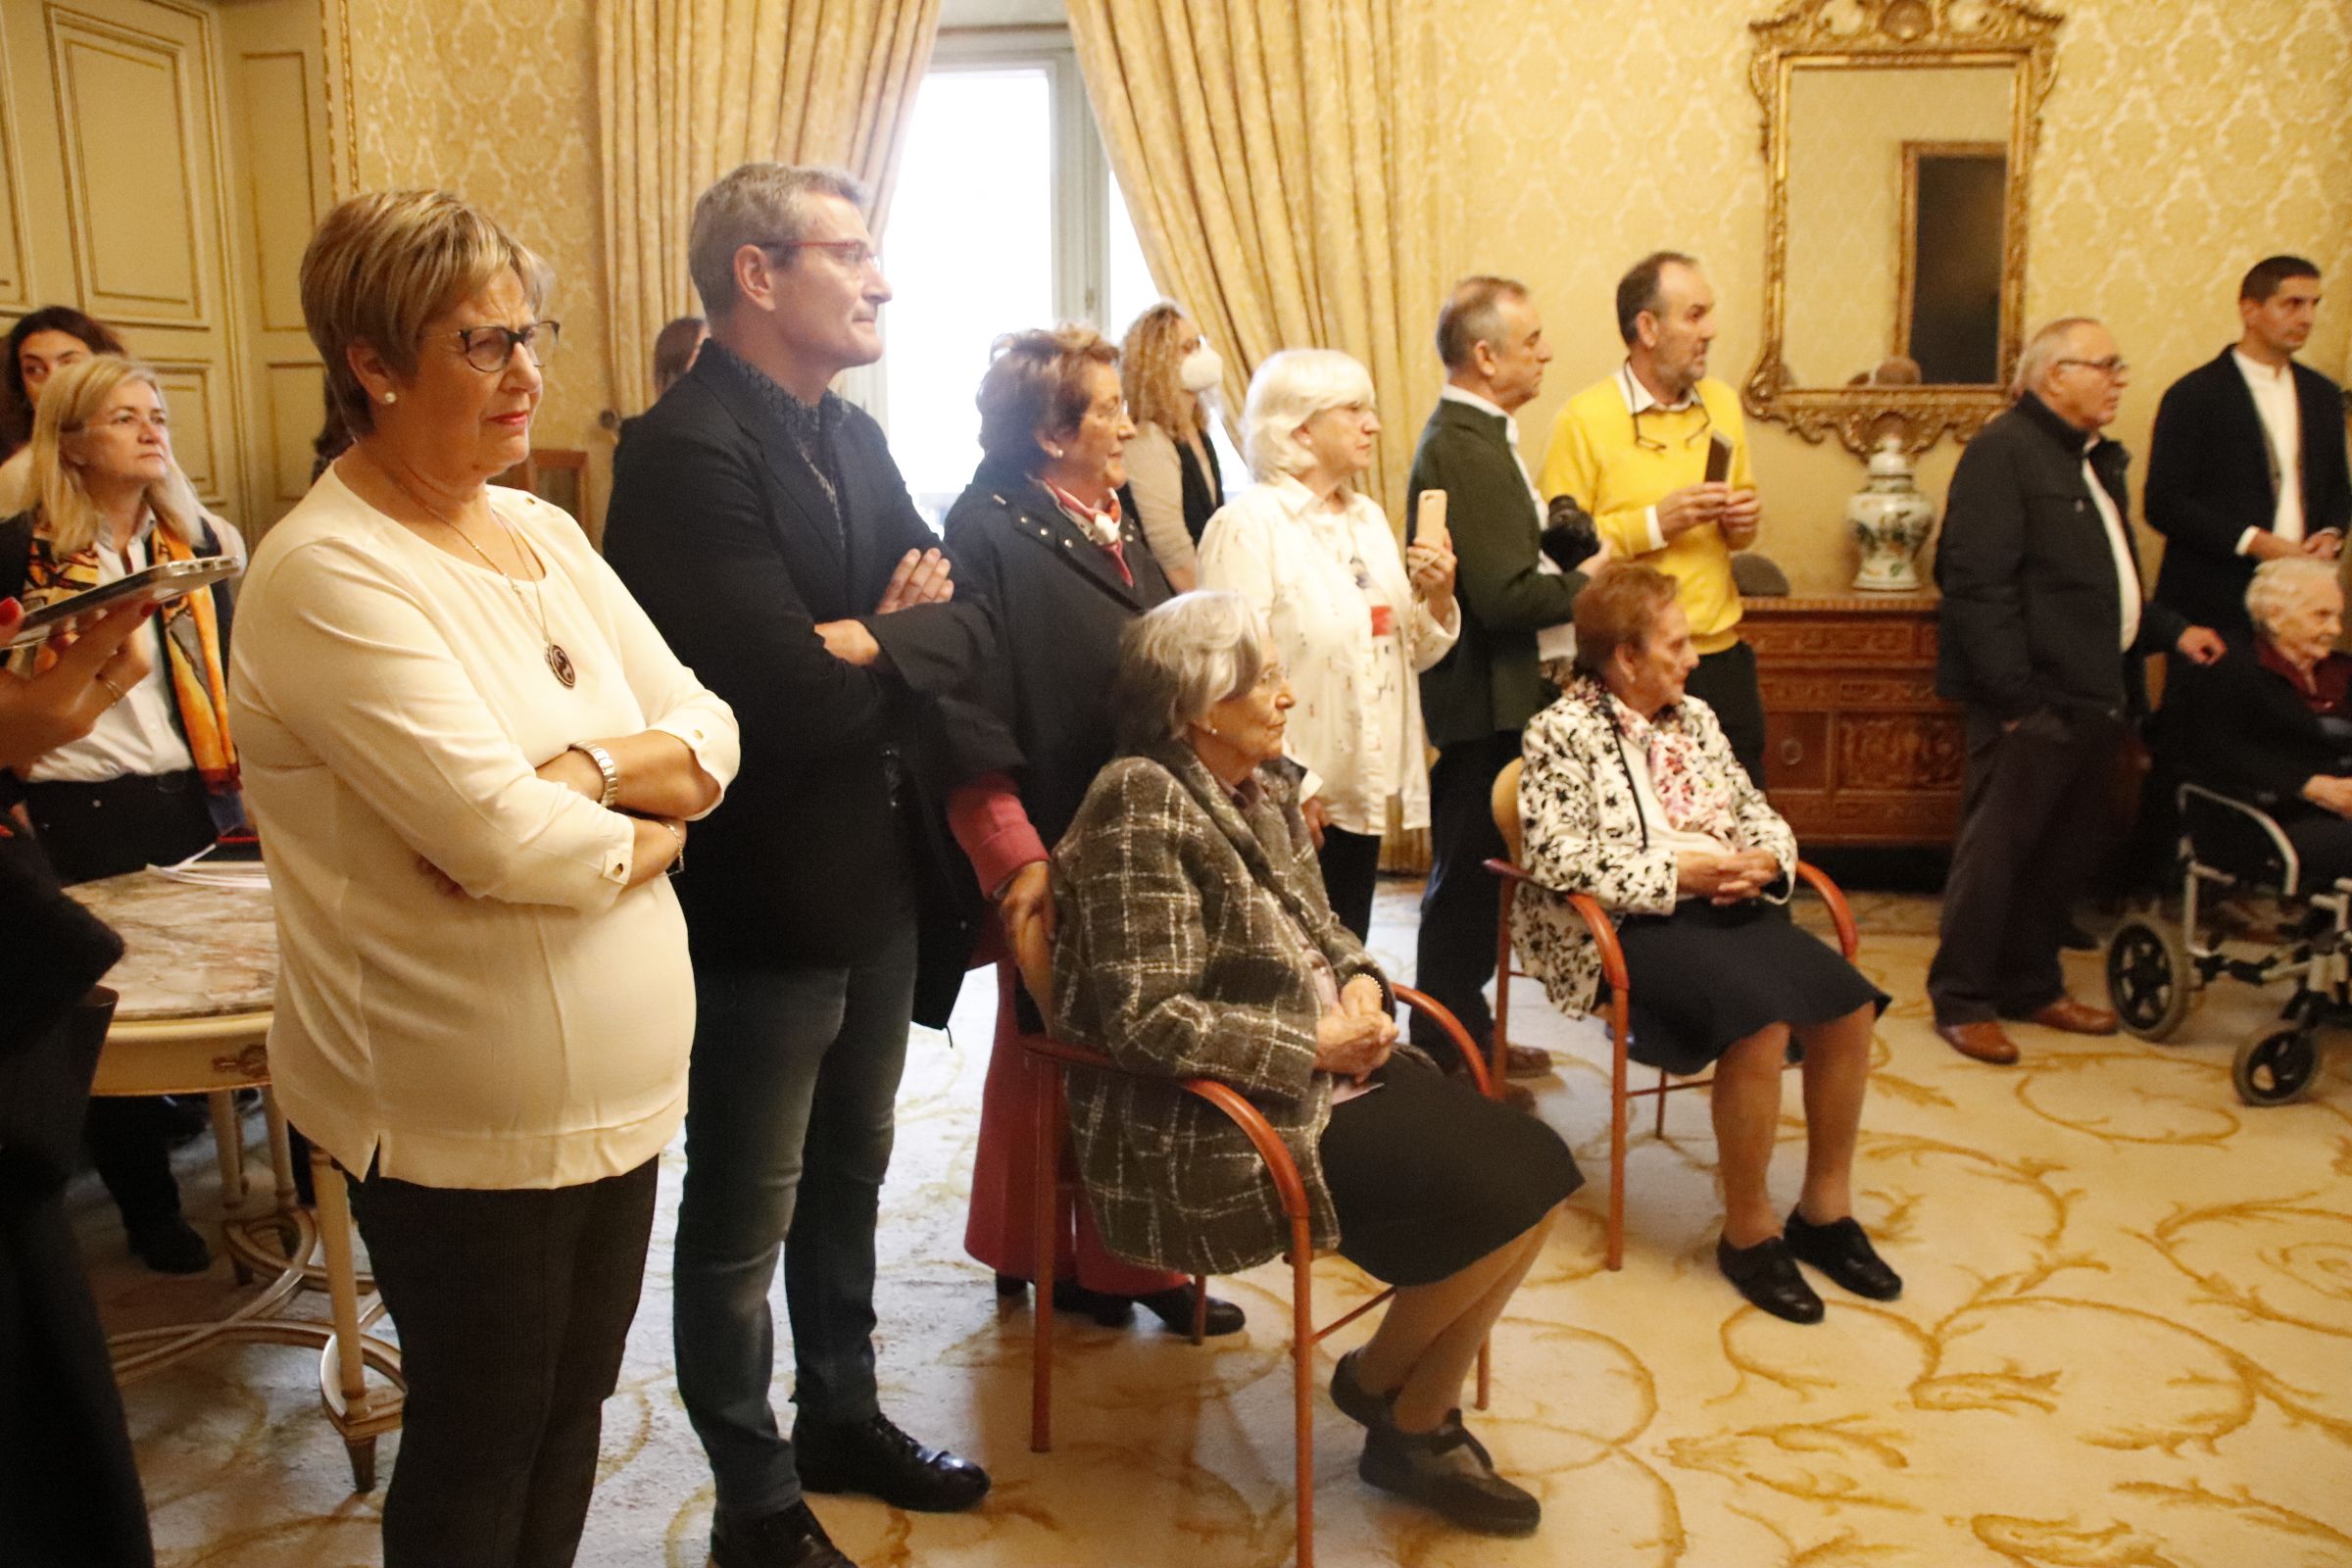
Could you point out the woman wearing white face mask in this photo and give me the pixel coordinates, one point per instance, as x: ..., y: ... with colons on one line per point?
x: 1164, y: 369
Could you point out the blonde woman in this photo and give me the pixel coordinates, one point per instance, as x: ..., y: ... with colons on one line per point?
x: 1354, y: 619
x: 472, y: 759
x: 1166, y: 372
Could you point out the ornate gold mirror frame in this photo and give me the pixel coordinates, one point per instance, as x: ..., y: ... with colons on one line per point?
x: 1894, y: 34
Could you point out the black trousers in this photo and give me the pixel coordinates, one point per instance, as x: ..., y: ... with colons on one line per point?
x: 69, y: 1493
x: 1350, y: 874
x: 1454, y: 957
x: 513, y: 1310
x: 1726, y: 681
x: 2033, y: 819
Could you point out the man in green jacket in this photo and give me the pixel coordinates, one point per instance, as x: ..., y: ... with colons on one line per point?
x: 1476, y: 700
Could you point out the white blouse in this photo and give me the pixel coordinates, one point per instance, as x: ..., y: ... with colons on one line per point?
x: 1313, y: 575
x: 390, y: 702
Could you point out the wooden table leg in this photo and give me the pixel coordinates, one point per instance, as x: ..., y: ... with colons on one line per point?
x: 347, y: 1395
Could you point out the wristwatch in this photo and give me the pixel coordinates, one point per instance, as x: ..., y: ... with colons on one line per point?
x: 605, y: 765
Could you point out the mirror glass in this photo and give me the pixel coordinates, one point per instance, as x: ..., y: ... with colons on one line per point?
x: 1897, y: 191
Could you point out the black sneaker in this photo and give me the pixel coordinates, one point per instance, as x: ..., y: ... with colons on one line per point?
x: 792, y: 1538
x: 876, y: 1458
x: 171, y: 1246
x: 1450, y: 1473
x: 1843, y: 1252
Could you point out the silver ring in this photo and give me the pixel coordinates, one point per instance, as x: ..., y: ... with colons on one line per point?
x: 118, y: 692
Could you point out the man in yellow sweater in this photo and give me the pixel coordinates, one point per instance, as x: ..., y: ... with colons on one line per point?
x: 1657, y: 452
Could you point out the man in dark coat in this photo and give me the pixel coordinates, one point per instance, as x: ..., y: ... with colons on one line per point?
x: 1476, y: 698
x: 2247, y: 462
x: 2044, y: 631
x: 761, y: 523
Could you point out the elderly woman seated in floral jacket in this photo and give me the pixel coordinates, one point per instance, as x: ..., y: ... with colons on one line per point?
x: 1631, y: 794
x: 1195, y: 941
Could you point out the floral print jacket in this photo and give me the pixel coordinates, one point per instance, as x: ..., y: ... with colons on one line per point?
x: 1586, y: 832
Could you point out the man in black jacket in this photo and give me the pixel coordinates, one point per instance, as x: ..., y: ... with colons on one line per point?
x: 2044, y: 631
x: 761, y: 523
x: 2247, y: 462
x: 1478, y: 697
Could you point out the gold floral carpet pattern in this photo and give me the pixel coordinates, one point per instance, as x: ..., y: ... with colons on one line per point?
x: 2126, y: 1343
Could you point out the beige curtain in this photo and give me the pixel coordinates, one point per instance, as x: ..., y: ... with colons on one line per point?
x: 1278, y: 164
x: 687, y: 89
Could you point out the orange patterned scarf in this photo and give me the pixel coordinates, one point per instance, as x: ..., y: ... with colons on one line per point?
x: 191, y: 645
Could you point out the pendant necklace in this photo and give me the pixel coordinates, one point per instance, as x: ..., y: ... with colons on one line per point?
x: 559, y: 662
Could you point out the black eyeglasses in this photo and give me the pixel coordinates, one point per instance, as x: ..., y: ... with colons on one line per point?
x: 1706, y: 423
x: 491, y: 349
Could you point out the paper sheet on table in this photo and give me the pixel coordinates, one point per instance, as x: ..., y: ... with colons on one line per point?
x: 202, y: 870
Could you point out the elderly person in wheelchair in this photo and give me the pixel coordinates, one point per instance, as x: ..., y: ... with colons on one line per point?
x: 1195, y: 942
x: 2263, y: 739
x: 1631, y: 794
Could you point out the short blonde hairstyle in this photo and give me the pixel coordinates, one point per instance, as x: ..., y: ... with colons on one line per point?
x: 1036, y: 385
x: 2277, y: 584
x: 384, y: 263
x: 1181, y: 658
x: 1291, y: 388
x: 70, y: 518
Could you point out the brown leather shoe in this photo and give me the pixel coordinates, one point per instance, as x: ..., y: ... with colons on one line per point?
x: 1526, y: 1061
x: 2074, y: 1017
x: 1980, y: 1041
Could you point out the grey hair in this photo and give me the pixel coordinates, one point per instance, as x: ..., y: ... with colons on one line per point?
x: 1291, y: 388
x: 755, y: 204
x: 2278, y: 583
x: 1179, y: 661
x: 1473, y: 314
x: 2043, y: 350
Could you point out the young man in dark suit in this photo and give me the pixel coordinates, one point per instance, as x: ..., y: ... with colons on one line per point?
x: 2247, y: 462
x: 1479, y: 697
x: 760, y: 521
x: 2042, y: 632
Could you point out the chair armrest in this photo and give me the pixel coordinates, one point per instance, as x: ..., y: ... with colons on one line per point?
x: 1604, y: 938
x: 1443, y: 1016
x: 1510, y: 872
x: 1289, y: 1187
x: 1849, y: 939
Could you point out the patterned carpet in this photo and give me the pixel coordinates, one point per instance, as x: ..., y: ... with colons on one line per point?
x: 2126, y: 1343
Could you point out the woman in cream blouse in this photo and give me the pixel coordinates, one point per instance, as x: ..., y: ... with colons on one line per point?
x: 1354, y: 620
x: 469, y: 756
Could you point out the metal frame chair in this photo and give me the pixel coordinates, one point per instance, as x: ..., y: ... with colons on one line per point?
x: 1615, y: 993
x: 1054, y: 1059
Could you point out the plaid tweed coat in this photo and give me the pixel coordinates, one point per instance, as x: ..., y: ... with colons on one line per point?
x: 1183, y: 952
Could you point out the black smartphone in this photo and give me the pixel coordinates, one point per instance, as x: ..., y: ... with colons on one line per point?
x: 1719, y: 459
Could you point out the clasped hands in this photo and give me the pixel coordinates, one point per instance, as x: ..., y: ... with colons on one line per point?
x: 1725, y: 879
x: 921, y: 577
x: 1738, y: 512
x: 1354, y: 1038
x: 2332, y: 794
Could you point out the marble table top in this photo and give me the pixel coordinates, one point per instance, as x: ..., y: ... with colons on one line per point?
x: 191, y: 952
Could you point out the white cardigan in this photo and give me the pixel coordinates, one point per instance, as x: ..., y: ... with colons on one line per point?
x: 1290, y: 557
x: 390, y: 702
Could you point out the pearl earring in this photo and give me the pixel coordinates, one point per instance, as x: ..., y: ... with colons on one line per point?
x: 391, y: 397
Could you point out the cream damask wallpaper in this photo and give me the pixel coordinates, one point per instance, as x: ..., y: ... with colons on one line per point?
x: 2183, y: 139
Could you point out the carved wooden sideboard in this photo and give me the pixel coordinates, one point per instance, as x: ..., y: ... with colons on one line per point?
x: 1859, y: 750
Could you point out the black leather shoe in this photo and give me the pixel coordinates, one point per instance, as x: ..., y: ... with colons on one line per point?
x: 1174, y: 1307
x: 1009, y: 1289
x: 792, y: 1538
x: 1450, y: 1473
x: 2074, y: 939
x: 1766, y: 1274
x: 1355, y: 1401
x: 1843, y: 1252
x: 876, y: 1458
x: 1108, y: 1310
x: 171, y: 1246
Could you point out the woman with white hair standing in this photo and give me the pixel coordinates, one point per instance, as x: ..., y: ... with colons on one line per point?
x: 1352, y: 618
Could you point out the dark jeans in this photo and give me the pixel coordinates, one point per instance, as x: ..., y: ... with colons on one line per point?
x: 1726, y: 681
x: 1350, y: 874
x: 2033, y: 817
x: 1455, y: 954
x: 513, y: 1310
x: 129, y: 1140
x: 788, y: 1137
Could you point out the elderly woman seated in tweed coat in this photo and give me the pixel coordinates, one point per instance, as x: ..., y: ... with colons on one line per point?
x: 1195, y: 940
x: 1632, y: 793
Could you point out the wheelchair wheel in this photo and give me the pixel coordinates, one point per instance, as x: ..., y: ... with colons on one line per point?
x: 2149, y: 980
x: 2276, y: 1066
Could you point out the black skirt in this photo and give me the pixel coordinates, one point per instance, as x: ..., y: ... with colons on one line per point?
x: 1707, y: 977
x: 1429, y: 1176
